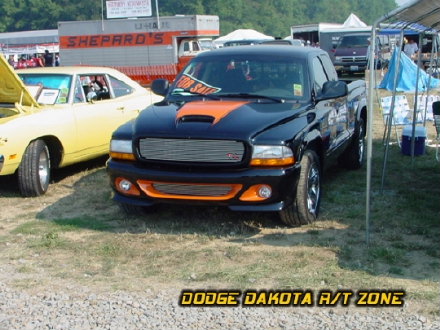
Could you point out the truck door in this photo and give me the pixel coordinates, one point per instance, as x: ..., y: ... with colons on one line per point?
x: 343, y: 115
x: 333, y: 112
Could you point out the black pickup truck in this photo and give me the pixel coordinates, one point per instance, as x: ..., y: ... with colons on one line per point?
x: 249, y: 127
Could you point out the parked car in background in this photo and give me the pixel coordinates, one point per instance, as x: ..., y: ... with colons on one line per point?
x: 55, y: 116
x: 351, y: 53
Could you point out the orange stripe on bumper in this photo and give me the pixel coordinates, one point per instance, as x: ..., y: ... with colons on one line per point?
x: 148, y: 187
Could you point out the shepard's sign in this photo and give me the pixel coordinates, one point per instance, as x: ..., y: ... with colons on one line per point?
x: 128, y: 8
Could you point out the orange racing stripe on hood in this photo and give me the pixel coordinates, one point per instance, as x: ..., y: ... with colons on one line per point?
x: 215, y: 109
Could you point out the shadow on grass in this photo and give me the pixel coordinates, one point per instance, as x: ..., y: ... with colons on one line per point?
x: 404, y: 226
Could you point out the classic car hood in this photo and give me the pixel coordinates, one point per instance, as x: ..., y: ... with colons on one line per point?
x: 12, y: 89
x: 234, y: 119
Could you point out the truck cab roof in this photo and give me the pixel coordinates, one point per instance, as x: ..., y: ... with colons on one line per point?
x: 280, y: 50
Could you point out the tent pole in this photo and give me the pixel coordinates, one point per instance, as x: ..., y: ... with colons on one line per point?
x: 414, y: 121
x: 391, y: 115
x: 430, y: 72
x: 370, y: 112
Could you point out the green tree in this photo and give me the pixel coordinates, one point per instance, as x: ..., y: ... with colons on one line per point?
x: 272, y: 17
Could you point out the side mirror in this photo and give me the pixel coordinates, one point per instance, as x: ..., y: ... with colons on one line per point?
x: 160, y: 86
x: 332, y: 90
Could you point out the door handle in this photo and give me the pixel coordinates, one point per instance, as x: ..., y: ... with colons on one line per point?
x: 120, y: 108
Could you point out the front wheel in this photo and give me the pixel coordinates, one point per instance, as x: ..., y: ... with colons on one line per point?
x: 305, y: 205
x: 34, y: 170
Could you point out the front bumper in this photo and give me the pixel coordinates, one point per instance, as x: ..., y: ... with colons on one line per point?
x: 351, y: 66
x: 282, y: 182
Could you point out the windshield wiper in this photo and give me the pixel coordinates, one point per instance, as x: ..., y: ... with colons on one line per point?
x: 257, y: 96
x: 180, y: 91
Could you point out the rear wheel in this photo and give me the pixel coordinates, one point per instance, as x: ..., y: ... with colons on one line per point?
x: 34, y: 170
x: 305, y: 206
x: 353, y: 157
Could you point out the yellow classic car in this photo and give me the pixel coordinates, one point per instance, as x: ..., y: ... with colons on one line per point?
x: 56, y: 116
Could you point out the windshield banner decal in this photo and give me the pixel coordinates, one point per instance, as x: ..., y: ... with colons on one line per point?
x: 193, y: 85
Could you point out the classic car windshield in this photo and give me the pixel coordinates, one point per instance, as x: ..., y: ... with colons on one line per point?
x: 54, y: 88
x: 252, y: 75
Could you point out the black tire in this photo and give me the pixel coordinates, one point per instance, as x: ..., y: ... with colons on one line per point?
x: 304, y: 208
x: 353, y: 157
x: 34, y: 170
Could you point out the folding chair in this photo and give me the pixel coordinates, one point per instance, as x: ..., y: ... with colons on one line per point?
x: 436, y: 114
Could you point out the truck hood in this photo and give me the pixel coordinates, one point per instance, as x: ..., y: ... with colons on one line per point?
x: 233, y: 119
x: 12, y: 89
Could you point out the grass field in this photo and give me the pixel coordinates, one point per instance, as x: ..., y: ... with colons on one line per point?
x: 76, y: 234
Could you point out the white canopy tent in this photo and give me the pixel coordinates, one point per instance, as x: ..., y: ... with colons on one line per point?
x: 422, y: 16
x: 353, y: 21
x: 242, y: 34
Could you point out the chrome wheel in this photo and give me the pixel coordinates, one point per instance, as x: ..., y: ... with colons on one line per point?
x: 361, y: 143
x: 43, y: 168
x: 313, y: 189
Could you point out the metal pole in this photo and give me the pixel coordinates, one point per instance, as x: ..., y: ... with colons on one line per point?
x: 102, y: 15
x: 391, y: 115
x: 370, y: 111
x: 430, y: 72
x: 413, y: 138
x: 157, y: 15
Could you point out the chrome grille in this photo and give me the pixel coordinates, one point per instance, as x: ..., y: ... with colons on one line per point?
x: 189, y: 150
x: 192, y: 190
x: 354, y: 59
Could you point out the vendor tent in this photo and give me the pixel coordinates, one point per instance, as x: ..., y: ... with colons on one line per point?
x: 422, y: 16
x: 406, y: 76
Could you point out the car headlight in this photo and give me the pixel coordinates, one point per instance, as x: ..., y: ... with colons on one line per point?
x: 121, y: 149
x: 272, y: 156
x: 338, y: 58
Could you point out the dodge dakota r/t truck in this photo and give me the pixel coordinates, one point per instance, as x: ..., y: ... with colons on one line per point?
x: 250, y: 127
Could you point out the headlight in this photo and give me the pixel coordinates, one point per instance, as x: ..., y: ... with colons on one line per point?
x: 121, y: 149
x: 338, y: 58
x: 272, y: 156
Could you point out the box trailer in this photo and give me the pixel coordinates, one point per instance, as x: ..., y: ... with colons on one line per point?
x: 142, y: 48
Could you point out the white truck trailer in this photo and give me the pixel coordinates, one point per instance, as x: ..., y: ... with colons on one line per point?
x: 142, y: 48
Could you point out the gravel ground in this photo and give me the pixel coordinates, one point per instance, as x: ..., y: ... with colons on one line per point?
x: 83, y: 309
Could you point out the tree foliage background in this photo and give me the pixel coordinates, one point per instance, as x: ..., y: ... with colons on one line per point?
x: 272, y: 17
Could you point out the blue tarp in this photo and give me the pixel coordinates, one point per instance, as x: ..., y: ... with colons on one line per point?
x: 407, y: 77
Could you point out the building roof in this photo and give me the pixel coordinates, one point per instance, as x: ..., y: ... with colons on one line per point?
x: 29, y: 37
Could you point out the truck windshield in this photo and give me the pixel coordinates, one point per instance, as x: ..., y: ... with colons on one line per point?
x: 354, y: 41
x: 268, y: 77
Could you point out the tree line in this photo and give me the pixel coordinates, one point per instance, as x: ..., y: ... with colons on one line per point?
x: 271, y: 17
